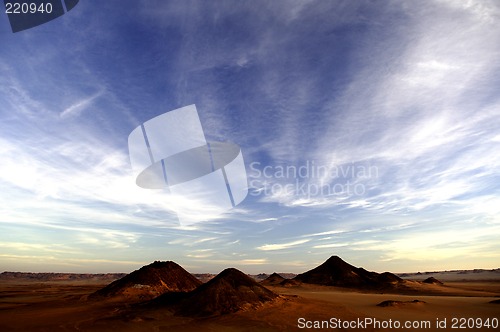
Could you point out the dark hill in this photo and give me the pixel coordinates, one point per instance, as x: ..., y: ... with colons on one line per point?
x: 230, y: 291
x: 290, y: 283
x: 273, y: 279
x: 389, y: 277
x: 336, y: 272
x: 150, y: 281
x: 432, y: 280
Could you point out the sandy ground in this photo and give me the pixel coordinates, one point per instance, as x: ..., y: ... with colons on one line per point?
x: 463, y: 275
x: 60, y: 306
x: 454, y: 303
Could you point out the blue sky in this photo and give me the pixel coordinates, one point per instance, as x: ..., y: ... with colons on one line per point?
x: 396, y: 102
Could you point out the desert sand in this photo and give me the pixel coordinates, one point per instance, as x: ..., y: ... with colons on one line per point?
x: 65, y: 305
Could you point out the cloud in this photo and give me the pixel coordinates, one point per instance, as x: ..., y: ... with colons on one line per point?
x: 242, y: 262
x: 201, y: 253
x: 441, y: 245
x: 108, y: 238
x: 81, y: 180
x: 37, y: 247
x: 419, y: 112
x: 331, y: 245
x: 324, y: 233
x: 281, y: 246
x: 396, y: 87
x: 68, y: 261
x: 78, y: 107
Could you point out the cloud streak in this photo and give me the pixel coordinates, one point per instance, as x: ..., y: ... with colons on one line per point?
x: 281, y: 246
x: 78, y: 107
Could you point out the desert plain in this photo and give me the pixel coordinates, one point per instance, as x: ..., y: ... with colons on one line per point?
x: 232, y: 301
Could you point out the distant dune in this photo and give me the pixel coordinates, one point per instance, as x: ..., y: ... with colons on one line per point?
x: 455, y: 275
x: 40, y: 276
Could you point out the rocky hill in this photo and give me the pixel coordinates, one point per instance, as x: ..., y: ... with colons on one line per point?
x: 230, y: 291
x: 273, y: 280
x: 151, y: 281
x: 336, y: 272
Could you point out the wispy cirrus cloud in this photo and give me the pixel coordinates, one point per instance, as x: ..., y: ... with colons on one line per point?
x: 81, y: 105
x: 426, y: 123
x: 281, y: 246
x: 406, y: 88
x: 330, y: 245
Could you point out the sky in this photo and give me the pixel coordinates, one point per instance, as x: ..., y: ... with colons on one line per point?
x: 369, y: 130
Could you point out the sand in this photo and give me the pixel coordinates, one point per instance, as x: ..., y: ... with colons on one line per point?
x: 59, y: 306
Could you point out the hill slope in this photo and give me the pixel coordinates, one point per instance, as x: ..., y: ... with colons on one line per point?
x: 273, y: 279
x: 230, y: 291
x: 151, y: 281
x: 336, y: 272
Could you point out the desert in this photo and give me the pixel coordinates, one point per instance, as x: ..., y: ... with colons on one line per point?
x: 249, y: 165
x: 162, y: 296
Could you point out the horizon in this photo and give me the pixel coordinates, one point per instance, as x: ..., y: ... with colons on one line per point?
x: 368, y: 131
x: 262, y: 272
